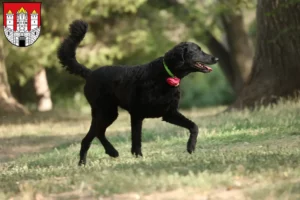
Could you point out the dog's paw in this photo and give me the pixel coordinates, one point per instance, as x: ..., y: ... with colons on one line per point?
x: 191, y: 145
x: 191, y: 148
x: 137, y: 151
x: 81, y: 162
x: 112, y: 153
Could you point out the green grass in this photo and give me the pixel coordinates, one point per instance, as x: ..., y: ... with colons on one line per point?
x: 254, y: 155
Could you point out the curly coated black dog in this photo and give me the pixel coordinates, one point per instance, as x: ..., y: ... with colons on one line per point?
x: 145, y: 91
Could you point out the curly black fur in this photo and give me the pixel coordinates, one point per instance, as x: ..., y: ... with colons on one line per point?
x: 141, y: 90
x: 66, y: 52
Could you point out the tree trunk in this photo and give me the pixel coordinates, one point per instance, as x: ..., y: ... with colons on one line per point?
x: 42, y: 91
x: 8, y: 104
x: 236, y: 61
x: 276, y: 64
x: 241, y: 54
x: 217, y: 49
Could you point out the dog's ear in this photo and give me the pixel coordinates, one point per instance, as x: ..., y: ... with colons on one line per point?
x: 185, y: 50
x: 176, y: 56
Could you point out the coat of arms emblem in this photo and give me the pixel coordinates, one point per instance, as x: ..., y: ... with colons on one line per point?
x: 22, y: 22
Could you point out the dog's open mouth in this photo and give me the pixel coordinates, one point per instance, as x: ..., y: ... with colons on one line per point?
x: 202, y: 67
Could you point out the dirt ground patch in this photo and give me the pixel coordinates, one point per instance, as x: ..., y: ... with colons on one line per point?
x: 16, y: 146
x: 179, y: 194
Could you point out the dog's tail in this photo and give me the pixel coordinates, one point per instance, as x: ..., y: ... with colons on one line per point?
x: 67, y: 50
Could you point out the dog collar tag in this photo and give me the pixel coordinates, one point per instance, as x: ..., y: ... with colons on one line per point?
x: 173, y: 81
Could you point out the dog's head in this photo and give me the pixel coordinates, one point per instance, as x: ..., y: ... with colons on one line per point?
x: 188, y: 57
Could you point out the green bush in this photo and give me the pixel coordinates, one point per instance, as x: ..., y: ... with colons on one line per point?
x: 119, y: 33
x: 201, y: 90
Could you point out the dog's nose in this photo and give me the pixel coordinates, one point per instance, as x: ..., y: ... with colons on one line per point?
x: 215, y: 59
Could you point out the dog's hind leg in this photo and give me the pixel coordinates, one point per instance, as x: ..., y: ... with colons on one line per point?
x: 102, y: 118
x: 86, y: 142
x: 106, y: 114
x: 107, y: 117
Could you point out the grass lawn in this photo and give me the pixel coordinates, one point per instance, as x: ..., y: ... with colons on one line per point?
x: 239, y: 155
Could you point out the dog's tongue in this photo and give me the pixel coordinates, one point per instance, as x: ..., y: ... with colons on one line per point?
x: 202, y: 66
x: 208, y: 68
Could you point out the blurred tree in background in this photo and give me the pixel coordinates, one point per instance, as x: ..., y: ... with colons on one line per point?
x: 8, y: 103
x: 276, y: 63
x: 120, y: 32
x: 134, y: 32
x: 220, y: 26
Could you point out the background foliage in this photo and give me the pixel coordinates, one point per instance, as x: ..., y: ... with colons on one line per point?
x: 120, y: 32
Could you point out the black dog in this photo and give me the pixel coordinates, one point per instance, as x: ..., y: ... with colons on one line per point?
x: 145, y: 91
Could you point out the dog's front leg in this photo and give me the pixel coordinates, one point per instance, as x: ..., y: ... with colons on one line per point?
x: 175, y: 117
x: 136, y: 136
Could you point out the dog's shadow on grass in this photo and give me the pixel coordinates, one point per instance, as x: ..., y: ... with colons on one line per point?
x: 185, y: 165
